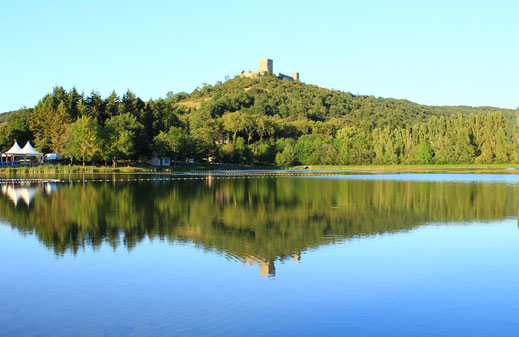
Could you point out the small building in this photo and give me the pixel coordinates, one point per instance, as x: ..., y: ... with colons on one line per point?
x: 165, y: 161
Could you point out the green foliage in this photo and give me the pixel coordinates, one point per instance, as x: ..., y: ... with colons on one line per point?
x: 84, y: 142
x: 353, y: 147
x: 263, y: 152
x: 242, y: 121
x: 120, y: 137
x: 19, y: 128
x: 287, y: 155
x: 424, y: 153
x: 174, y: 142
x: 308, y: 149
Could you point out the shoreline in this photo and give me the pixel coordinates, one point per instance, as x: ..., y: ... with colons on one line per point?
x: 204, y: 168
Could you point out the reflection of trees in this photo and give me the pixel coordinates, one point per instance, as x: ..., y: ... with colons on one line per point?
x: 249, y: 219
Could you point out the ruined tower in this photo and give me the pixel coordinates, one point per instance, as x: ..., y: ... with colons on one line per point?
x: 266, y: 65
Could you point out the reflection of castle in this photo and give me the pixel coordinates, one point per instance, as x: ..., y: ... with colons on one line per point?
x: 267, y: 66
x: 267, y: 268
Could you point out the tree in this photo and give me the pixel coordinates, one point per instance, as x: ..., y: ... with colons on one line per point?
x: 325, y: 154
x: 424, y: 153
x: 515, y: 143
x: 94, y: 106
x: 83, y: 142
x: 352, y: 146
x: 48, y: 124
x: 112, y: 104
x: 265, y: 125
x: 306, y: 146
x: 172, y: 142
x: 18, y: 127
x: 203, y: 131
x: 495, y: 146
x: 120, y: 137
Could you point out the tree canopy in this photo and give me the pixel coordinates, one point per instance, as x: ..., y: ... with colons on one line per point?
x: 265, y: 121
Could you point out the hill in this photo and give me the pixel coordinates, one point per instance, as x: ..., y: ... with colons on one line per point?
x: 263, y: 120
x: 297, y: 100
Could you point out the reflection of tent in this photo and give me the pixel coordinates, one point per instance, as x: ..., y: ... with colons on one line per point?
x: 17, y: 193
x: 11, y: 193
x: 27, y: 194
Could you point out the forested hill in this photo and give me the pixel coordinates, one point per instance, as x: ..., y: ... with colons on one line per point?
x: 264, y: 120
x: 300, y: 101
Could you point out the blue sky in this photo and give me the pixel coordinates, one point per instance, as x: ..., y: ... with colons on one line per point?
x: 430, y: 52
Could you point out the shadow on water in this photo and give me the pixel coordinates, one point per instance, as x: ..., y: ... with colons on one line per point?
x: 256, y: 221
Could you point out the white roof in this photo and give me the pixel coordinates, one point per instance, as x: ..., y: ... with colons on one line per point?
x: 28, y: 150
x: 16, y: 149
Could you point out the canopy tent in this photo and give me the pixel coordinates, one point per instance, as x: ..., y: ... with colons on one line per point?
x: 15, y: 149
x: 29, y: 151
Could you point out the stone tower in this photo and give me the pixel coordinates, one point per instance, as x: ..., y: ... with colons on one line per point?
x: 295, y: 76
x: 266, y: 65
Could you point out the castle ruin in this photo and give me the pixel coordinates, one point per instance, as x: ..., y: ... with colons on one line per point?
x: 266, y: 66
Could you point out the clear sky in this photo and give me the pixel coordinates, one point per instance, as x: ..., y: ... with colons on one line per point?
x: 431, y: 52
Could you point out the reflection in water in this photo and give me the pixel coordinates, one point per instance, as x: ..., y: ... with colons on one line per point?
x: 256, y: 221
x: 17, y: 192
x: 26, y: 191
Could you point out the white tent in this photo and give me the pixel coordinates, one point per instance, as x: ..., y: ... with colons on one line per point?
x: 29, y: 151
x: 15, y: 149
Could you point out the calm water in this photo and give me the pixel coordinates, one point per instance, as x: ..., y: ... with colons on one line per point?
x: 335, y: 255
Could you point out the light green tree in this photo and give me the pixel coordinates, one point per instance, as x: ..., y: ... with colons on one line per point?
x: 83, y: 142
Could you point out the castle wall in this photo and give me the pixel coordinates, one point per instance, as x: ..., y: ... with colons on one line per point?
x: 249, y: 73
x: 283, y: 76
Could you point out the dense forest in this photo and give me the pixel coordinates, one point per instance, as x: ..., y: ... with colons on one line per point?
x: 262, y: 121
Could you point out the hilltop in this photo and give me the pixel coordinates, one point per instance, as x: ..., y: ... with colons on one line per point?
x: 263, y: 120
x: 297, y: 100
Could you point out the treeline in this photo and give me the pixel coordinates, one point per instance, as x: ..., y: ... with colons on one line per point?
x: 263, y: 121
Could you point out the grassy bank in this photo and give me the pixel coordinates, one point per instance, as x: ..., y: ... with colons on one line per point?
x: 78, y: 169
x: 66, y: 169
x: 405, y: 167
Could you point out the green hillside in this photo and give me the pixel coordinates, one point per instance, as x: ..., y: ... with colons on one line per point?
x: 263, y: 120
x: 297, y: 100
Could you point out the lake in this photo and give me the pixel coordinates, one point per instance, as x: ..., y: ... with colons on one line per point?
x: 287, y: 254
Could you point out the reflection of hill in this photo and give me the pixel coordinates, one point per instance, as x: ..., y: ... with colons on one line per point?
x: 258, y: 220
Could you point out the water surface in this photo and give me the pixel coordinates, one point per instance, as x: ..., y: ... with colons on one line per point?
x: 362, y: 255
